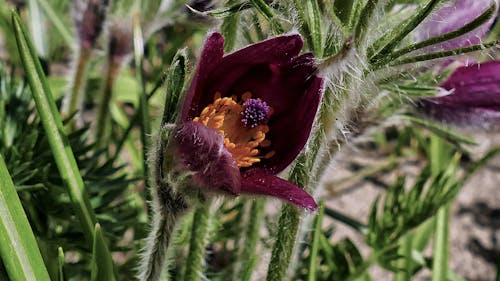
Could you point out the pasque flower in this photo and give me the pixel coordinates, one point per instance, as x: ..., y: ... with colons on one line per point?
x: 247, y: 115
x: 453, y: 15
x: 473, y: 99
x: 472, y: 96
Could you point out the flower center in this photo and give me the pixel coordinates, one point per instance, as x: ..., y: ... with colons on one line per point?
x: 243, y: 125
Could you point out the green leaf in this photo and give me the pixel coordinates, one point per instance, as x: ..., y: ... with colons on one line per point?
x: 18, y: 247
x: 343, y: 10
x: 229, y: 28
x: 313, y: 258
x: 313, y: 17
x: 54, y: 129
x: 269, y: 14
x: 102, y: 264
x: 226, y: 11
x: 60, y: 259
x: 481, y: 19
x: 175, y: 85
x: 364, y: 20
x: 444, y: 54
x: 388, y: 42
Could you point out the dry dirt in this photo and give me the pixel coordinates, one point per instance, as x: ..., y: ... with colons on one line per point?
x: 474, y: 226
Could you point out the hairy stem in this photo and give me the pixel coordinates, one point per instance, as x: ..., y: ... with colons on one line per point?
x: 248, y: 255
x: 168, y: 206
x: 289, y: 222
x: 199, y: 236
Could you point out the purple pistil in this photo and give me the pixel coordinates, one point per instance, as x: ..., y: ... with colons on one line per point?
x: 255, y: 112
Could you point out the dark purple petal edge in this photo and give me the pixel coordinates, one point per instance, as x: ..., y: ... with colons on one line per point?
x: 261, y: 183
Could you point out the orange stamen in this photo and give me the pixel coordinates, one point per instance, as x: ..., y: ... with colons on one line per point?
x: 224, y: 116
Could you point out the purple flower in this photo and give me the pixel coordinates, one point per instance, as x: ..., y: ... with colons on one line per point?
x: 247, y: 115
x: 474, y: 99
x: 451, y: 16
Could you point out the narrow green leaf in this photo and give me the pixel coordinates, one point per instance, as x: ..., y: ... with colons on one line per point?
x: 175, y: 85
x: 229, y: 28
x: 226, y: 11
x: 343, y: 10
x: 314, y: 18
x: 389, y: 42
x: 58, y: 141
x: 102, y: 264
x: 313, y: 258
x: 18, y: 247
x: 444, y: 54
x: 363, y: 22
x: 60, y: 259
x: 267, y: 12
x: 485, y: 16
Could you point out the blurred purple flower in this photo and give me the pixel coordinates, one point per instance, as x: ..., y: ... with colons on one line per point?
x: 453, y: 15
x: 89, y: 17
x: 474, y: 99
x: 247, y: 115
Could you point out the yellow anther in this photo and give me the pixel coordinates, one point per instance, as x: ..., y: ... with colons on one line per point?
x: 224, y: 116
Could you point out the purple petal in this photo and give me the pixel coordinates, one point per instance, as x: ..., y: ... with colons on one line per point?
x: 463, y: 116
x: 210, y: 57
x: 473, y: 86
x: 261, y: 183
x: 225, y: 72
x: 202, y: 151
x: 293, y: 92
x: 451, y: 16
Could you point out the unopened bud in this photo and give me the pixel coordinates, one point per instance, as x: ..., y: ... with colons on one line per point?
x: 89, y: 18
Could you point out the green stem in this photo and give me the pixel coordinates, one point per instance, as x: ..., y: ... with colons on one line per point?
x: 289, y: 222
x: 248, y: 255
x: 78, y: 85
x: 438, y: 153
x: 103, y: 121
x: 313, y: 258
x: 441, y: 245
x: 199, y: 237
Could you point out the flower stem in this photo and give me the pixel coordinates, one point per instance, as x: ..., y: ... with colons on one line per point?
x: 248, y: 255
x: 199, y: 237
x: 289, y: 222
x: 101, y: 133
x: 78, y: 87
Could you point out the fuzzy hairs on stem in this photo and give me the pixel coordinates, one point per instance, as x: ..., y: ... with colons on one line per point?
x: 168, y: 206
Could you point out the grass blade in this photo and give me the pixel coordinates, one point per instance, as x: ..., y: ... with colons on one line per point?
x: 18, y: 247
x: 313, y: 259
x: 102, y: 264
x: 54, y: 129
